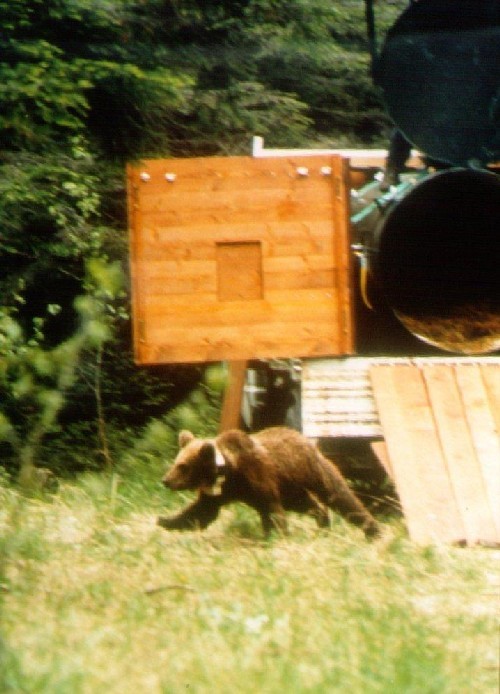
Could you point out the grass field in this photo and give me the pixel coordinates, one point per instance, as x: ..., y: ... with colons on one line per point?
x: 95, y: 598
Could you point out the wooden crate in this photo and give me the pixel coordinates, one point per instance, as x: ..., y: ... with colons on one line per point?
x: 237, y: 258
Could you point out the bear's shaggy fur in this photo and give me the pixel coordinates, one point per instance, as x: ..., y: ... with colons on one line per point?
x: 272, y: 471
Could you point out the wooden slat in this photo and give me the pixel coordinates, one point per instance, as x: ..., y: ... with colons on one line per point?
x: 240, y: 313
x: 341, y: 197
x: 484, y: 434
x: 203, y: 285
x: 215, y: 174
x: 213, y: 210
x: 465, y: 473
x: 305, y: 243
x: 136, y: 245
x: 201, y: 207
x: 192, y: 269
x: 196, y: 344
x: 416, y: 457
x: 491, y: 379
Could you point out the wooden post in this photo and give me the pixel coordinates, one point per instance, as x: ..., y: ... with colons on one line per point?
x: 231, y: 406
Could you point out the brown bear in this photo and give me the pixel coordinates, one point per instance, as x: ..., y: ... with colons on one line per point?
x: 272, y: 471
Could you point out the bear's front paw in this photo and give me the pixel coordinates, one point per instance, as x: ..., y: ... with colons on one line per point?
x: 165, y: 522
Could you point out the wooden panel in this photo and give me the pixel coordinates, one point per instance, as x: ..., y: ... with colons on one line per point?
x: 239, y: 258
x: 471, y: 494
x: 484, y: 434
x: 416, y: 457
x: 239, y: 271
x: 491, y: 379
x: 440, y: 426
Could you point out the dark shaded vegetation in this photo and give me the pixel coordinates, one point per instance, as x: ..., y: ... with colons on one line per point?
x: 86, y: 85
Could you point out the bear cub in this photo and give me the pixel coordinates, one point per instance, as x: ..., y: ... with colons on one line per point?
x: 273, y: 471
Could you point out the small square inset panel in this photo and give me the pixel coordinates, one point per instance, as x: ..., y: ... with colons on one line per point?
x: 239, y: 271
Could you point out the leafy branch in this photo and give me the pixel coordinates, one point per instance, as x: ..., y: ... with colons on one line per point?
x: 34, y: 379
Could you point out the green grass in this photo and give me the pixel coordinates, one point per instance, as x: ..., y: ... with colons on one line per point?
x: 95, y: 598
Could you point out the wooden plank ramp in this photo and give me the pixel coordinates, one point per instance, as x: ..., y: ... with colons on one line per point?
x: 441, y: 424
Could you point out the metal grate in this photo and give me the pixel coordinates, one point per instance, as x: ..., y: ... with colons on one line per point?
x: 337, y: 394
x: 337, y: 399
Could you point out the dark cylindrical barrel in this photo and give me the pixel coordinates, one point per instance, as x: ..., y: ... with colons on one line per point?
x: 439, y: 71
x: 438, y: 260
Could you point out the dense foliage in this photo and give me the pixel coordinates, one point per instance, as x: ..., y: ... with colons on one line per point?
x: 86, y: 85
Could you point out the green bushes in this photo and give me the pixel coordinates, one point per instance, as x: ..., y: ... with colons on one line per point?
x: 86, y: 85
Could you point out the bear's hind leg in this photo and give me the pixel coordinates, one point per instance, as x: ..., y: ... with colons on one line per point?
x: 199, y: 514
x: 345, y: 502
x: 318, y: 511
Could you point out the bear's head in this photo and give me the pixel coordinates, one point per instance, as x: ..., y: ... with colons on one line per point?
x: 197, y: 465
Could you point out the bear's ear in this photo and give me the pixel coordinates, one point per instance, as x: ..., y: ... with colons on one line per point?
x: 185, y: 437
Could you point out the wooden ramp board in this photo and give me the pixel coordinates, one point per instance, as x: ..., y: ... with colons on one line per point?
x: 441, y: 423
